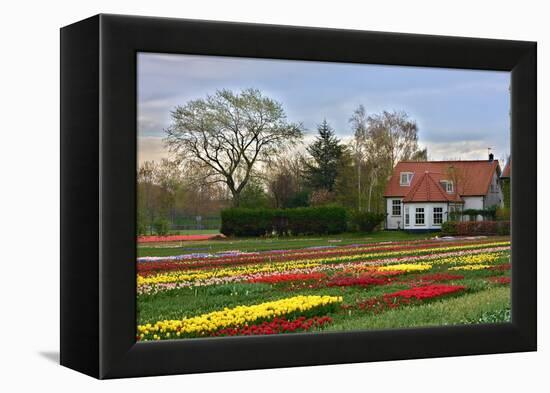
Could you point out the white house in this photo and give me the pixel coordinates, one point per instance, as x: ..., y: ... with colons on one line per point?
x: 420, y: 195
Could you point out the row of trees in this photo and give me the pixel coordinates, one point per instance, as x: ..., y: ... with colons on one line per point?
x: 239, y: 150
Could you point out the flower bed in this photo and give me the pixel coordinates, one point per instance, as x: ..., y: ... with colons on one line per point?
x: 149, y: 282
x: 234, y: 317
x: 278, y: 325
x: 176, y: 238
x: 318, y: 256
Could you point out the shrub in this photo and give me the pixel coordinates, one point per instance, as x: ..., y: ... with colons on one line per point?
x: 247, y: 222
x: 366, y: 221
x: 297, y: 221
x: 503, y: 228
x: 465, y: 228
x: 449, y: 228
x: 161, y: 226
x: 317, y: 220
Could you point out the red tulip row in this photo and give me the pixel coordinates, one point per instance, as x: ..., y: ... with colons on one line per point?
x: 426, y: 291
x: 405, y: 297
x: 500, y: 280
x: 278, y: 278
x: 503, y: 267
x: 276, y: 326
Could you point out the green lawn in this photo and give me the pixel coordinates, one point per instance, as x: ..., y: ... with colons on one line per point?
x: 275, y: 243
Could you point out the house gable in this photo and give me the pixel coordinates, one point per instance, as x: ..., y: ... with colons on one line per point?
x: 470, y: 178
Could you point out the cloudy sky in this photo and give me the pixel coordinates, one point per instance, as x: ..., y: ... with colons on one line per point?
x: 460, y: 113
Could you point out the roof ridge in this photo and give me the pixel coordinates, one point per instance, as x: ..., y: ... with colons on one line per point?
x: 435, y: 161
x: 438, y: 186
x: 417, y: 185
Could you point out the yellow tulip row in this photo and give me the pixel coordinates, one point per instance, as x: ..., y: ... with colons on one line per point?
x: 471, y: 259
x: 406, y: 267
x: 470, y: 267
x: 192, y: 275
x: 231, y: 317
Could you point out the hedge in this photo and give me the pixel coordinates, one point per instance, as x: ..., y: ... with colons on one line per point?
x: 463, y: 228
x: 297, y: 221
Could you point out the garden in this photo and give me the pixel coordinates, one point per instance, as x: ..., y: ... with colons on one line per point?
x: 297, y: 284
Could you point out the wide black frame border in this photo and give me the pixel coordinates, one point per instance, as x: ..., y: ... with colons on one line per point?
x: 98, y: 214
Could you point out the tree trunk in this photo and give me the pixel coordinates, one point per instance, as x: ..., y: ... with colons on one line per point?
x: 236, y: 198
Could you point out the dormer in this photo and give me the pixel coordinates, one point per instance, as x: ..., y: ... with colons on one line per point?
x: 448, y: 186
x: 405, y: 178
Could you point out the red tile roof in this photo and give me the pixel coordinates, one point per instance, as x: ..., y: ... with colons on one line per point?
x: 507, y: 170
x: 471, y: 178
x: 429, y: 189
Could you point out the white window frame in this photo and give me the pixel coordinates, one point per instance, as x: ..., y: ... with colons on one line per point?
x: 394, y: 205
x: 439, y: 213
x: 409, y: 176
x: 407, y: 218
x: 417, y: 212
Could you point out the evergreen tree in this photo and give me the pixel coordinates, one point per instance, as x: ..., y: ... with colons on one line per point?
x: 325, y: 152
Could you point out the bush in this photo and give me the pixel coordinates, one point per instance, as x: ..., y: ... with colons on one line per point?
x: 297, y: 221
x: 247, y: 222
x: 449, y: 228
x: 161, y: 226
x: 466, y: 228
x: 366, y: 221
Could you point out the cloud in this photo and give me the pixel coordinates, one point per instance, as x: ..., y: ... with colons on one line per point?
x: 461, y: 150
x: 151, y: 148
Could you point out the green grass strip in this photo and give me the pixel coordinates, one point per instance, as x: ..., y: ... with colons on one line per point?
x: 467, y: 309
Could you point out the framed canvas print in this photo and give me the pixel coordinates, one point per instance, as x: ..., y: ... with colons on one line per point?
x: 239, y: 196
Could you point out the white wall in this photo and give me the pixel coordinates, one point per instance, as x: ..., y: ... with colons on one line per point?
x: 393, y: 222
x: 428, y: 215
x: 495, y: 197
x: 475, y: 202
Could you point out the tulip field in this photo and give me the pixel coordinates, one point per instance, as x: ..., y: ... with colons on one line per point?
x: 219, y: 288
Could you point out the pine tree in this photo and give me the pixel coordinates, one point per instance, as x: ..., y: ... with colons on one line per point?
x: 325, y: 152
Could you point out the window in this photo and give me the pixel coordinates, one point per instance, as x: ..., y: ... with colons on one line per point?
x: 447, y: 186
x: 438, y: 215
x: 407, y: 221
x: 406, y: 178
x: 396, y: 207
x: 419, y: 217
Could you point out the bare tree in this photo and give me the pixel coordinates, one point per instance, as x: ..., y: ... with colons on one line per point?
x: 226, y: 134
x: 359, y: 125
x: 397, y: 134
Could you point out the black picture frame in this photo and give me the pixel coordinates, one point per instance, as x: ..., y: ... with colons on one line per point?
x: 98, y: 193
